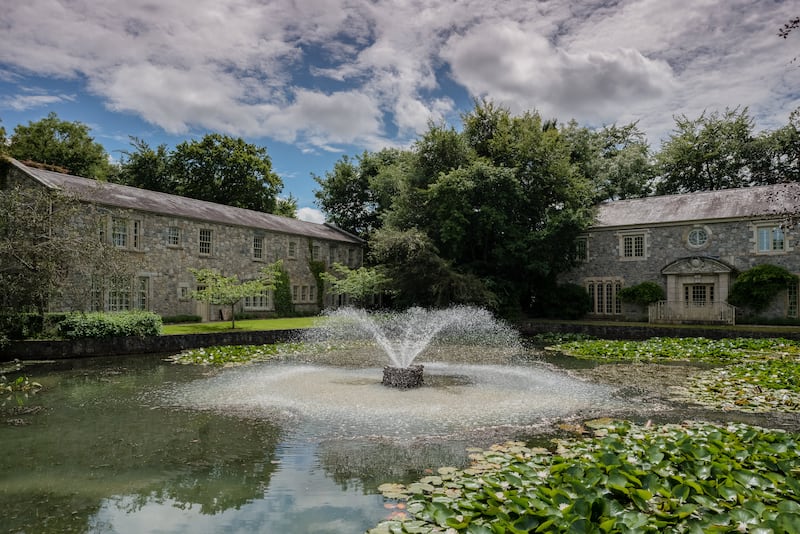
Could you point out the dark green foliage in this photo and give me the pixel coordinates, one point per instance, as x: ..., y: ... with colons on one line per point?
x: 103, y: 325
x: 21, y: 325
x: 755, y: 288
x: 642, y: 294
x: 283, y: 295
x: 63, y: 144
x: 564, y: 301
x: 185, y: 318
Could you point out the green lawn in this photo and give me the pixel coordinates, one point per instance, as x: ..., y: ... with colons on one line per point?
x: 250, y: 324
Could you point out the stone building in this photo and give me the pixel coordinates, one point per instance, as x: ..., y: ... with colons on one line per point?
x: 693, y: 245
x: 164, y: 235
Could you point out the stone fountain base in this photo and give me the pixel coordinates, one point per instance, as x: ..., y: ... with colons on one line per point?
x: 402, y: 377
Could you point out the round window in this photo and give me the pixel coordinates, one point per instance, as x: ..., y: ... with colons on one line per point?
x: 698, y: 237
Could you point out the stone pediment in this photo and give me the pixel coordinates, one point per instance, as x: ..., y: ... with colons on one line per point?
x: 696, y: 265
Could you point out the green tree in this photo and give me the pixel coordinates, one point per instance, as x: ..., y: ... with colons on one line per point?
x: 359, y: 283
x: 3, y: 146
x: 756, y: 287
x: 63, y: 144
x: 147, y: 168
x: 225, y: 170
x: 286, y: 207
x: 775, y: 155
x: 228, y: 290
x: 43, y: 251
x: 357, y: 192
x: 714, y: 151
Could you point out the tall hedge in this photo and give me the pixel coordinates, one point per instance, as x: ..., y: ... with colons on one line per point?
x: 101, y: 325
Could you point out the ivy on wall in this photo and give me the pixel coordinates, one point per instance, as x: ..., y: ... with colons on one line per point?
x: 283, y: 294
x: 756, y: 287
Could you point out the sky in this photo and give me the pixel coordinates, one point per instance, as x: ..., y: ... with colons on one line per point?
x: 315, y: 80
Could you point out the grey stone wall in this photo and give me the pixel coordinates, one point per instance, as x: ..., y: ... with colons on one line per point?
x: 150, y: 255
x: 732, y: 242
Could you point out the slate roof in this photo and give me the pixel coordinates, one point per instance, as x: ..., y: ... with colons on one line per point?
x: 749, y: 202
x: 124, y: 196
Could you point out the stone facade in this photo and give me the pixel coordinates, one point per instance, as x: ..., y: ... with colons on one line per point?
x: 692, y: 245
x: 162, y: 236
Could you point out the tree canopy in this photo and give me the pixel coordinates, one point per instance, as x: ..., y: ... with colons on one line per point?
x: 63, y: 144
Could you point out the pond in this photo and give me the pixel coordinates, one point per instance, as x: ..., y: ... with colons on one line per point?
x: 141, y: 444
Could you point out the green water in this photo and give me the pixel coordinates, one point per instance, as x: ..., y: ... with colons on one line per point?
x: 94, y: 451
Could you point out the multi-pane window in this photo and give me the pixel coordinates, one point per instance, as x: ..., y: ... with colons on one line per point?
x: 257, y: 302
x: 793, y: 295
x: 173, y: 236
x: 292, y: 253
x: 582, y: 249
x: 295, y: 293
x: 770, y: 238
x: 633, y: 246
x: 697, y: 237
x: 351, y: 257
x: 304, y: 293
x: 698, y: 294
x: 315, y: 252
x: 332, y: 255
x: 119, y: 232
x: 142, y: 292
x: 311, y: 293
x: 604, y: 296
x: 205, y: 241
x: 258, y: 247
x: 119, y: 294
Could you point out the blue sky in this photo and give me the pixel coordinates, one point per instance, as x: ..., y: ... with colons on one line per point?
x: 313, y: 81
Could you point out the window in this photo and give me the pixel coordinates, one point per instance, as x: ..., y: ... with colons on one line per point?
x: 332, y: 255
x: 205, y: 241
x: 311, y: 293
x: 292, y: 250
x: 119, y: 294
x: 295, y: 293
x: 315, y: 252
x: 258, y: 247
x: 582, y: 249
x: 119, y: 232
x: 184, y: 293
x: 351, y: 257
x: 633, y: 246
x: 604, y: 296
x: 793, y: 296
x: 770, y: 239
x: 697, y: 237
x: 173, y: 236
x: 142, y: 292
x: 257, y: 302
x: 136, y: 234
x: 304, y: 293
x: 126, y: 233
x: 698, y: 295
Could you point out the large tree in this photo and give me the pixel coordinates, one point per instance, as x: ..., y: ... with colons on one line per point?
x: 47, y: 242
x: 146, y: 167
x: 483, y: 215
x: 63, y: 144
x: 226, y: 170
x: 713, y: 151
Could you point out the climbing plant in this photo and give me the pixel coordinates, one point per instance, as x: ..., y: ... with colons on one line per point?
x: 756, y: 287
x: 283, y: 294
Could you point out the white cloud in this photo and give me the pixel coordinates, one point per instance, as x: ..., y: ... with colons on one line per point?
x: 22, y: 102
x: 524, y: 71
x: 311, y: 215
x: 327, y: 74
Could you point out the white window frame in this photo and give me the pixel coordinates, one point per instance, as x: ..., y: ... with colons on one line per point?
x: 793, y: 300
x: 119, y: 232
x: 291, y: 251
x: 205, y: 247
x: 604, y: 295
x: 260, y: 302
x: 631, y: 237
x: 173, y: 236
x: 258, y: 247
x: 765, y: 236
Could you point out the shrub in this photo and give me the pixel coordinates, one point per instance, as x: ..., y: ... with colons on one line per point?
x: 642, y: 294
x: 283, y: 295
x: 755, y: 288
x: 102, y: 325
x: 565, y: 301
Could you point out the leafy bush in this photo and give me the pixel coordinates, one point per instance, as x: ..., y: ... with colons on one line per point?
x: 755, y: 288
x: 693, y: 477
x: 20, y: 325
x: 642, y: 294
x: 185, y: 318
x: 283, y: 295
x: 101, y: 325
x: 565, y: 301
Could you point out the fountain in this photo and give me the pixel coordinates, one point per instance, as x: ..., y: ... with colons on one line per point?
x: 403, y: 336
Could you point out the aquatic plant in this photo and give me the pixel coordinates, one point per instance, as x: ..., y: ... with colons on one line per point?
x: 693, y: 477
